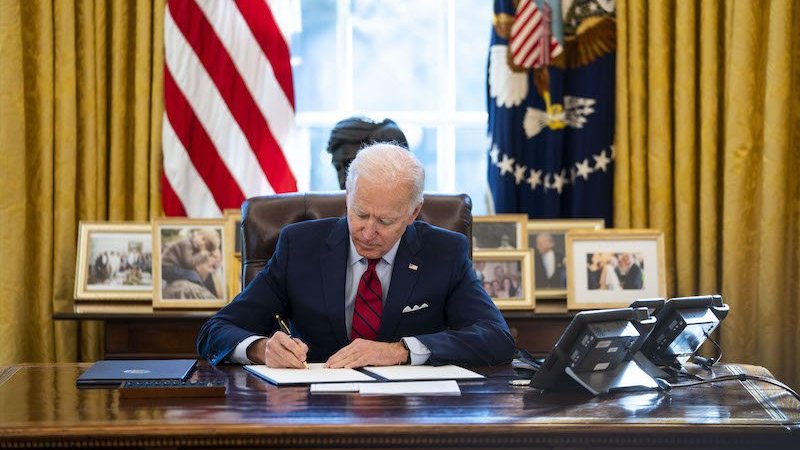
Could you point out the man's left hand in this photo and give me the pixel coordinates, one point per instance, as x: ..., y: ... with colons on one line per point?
x: 362, y: 352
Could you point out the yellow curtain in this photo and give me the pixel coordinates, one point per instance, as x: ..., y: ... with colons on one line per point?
x: 80, y: 119
x: 708, y: 150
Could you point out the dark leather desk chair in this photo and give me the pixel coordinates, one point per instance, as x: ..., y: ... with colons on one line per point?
x: 263, y: 218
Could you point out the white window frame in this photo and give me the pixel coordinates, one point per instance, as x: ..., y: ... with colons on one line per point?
x: 444, y: 120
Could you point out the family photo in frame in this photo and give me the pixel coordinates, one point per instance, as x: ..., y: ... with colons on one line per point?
x: 233, y: 254
x: 189, y: 268
x: 114, y: 261
x: 500, y: 232
x: 505, y: 275
x: 547, y: 239
x: 612, y: 268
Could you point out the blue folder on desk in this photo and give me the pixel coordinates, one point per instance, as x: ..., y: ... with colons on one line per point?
x: 111, y: 372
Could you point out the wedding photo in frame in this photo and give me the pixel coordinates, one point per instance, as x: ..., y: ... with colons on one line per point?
x: 506, y: 276
x: 114, y: 261
x: 189, y: 267
x: 500, y: 232
x: 612, y: 268
x: 233, y: 253
x: 547, y: 240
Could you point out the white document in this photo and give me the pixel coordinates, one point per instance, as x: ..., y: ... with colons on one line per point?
x: 315, y: 373
x: 407, y: 373
x: 445, y: 387
x: 321, y: 388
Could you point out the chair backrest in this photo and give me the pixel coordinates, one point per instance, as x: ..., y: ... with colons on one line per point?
x: 264, y: 217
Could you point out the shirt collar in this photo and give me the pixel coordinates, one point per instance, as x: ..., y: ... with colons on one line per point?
x: 354, y: 257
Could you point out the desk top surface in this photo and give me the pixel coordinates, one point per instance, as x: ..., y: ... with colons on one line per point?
x: 43, y: 401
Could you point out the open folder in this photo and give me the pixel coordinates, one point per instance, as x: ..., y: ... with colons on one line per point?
x: 419, y: 373
x: 315, y: 373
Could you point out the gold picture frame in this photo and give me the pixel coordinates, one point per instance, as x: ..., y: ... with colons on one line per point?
x: 552, y: 284
x: 189, y: 270
x: 612, y: 268
x: 495, y: 267
x: 114, y: 261
x: 500, y: 232
x: 233, y: 253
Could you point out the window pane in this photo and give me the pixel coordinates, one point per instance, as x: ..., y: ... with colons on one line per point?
x: 314, y: 54
x: 473, y: 27
x: 471, y: 160
x: 398, y: 54
x: 422, y: 142
x: 323, y: 175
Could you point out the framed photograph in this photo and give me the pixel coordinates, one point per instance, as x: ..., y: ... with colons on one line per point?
x: 505, y: 275
x: 612, y: 268
x: 547, y: 240
x: 500, y: 232
x: 114, y: 261
x: 189, y: 267
x: 233, y: 251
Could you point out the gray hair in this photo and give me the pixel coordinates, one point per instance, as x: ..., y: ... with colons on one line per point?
x: 386, y: 162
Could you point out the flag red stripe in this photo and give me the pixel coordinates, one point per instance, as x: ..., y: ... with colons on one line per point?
x: 199, y: 147
x: 215, y: 58
x: 261, y: 21
x: 169, y: 200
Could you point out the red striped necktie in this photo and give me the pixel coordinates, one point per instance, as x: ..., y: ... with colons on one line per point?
x: 368, y: 306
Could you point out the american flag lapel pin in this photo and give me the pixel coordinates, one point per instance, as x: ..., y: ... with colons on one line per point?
x: 413, y: 266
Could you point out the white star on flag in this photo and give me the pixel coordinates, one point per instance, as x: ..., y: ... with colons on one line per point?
x: 583, y: 169
x: 519, y: 173
x: 601, y: 161
x: 506, y: 165
x: 559, y: 180
x: 494, y: 154
x: 535, y: 179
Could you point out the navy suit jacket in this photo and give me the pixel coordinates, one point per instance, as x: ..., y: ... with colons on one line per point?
x: 304, y: 282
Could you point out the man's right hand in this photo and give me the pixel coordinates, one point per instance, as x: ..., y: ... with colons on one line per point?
x: 280, y: 350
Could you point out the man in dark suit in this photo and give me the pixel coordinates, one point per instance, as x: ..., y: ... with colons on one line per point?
x: 372, y: 288
x: 550, y: 270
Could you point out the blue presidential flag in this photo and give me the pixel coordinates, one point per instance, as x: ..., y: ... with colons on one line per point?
x: 550, y: 97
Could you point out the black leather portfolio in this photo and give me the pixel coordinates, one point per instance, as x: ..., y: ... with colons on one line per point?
x: 114, y: 372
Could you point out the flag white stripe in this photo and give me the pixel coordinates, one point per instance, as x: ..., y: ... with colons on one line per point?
x: 212, y: 111
x: 187, y: 183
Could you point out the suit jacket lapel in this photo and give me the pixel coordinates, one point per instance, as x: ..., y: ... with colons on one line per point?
x: 333, y: 266
x: 403, y: 280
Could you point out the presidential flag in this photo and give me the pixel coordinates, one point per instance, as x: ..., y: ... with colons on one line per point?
x: 550, y: 97
x: 228, y: 128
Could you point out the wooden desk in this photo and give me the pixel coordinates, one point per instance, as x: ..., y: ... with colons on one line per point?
x: 41, y: 407
x: 172, y: 334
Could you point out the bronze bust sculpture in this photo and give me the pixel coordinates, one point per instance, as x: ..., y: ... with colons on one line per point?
x: 350, y: 135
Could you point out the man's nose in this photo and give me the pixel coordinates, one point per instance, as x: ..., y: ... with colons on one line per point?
x: 370, y: 229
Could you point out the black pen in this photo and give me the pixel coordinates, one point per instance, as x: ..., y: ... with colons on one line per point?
x: 285, y: 329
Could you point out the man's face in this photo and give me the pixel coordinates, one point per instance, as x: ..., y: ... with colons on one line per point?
x: 377, y: 215
x: 625, y: 259
x: 544, y: 242
x: 341, y: 159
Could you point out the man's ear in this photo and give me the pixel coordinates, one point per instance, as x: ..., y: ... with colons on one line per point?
x: 416, y: 211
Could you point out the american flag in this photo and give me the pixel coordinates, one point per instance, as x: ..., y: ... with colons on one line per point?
x: 229, y: 105
x: 530, y: 42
